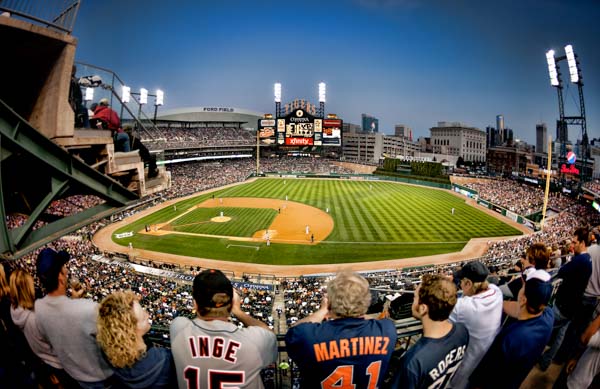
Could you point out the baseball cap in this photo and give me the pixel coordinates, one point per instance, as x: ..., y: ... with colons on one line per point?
x: 538, y: 288
x: 474, y: 270
x: 104, y: 101
x: 209, y: 283
x: 49, y: 263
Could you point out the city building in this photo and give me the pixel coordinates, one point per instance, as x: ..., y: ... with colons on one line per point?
x: 457, y: 139
x: 506, y: 160
x: 371, y: 147
x: 369, y: 123
x: 403, y: 131
x: 351, y: 128
x: 541, y: 138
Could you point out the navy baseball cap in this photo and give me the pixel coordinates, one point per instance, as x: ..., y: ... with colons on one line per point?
x: 209, y: 283
x: 538, y: 288
x: 49, y: 263
x: 474, y: 270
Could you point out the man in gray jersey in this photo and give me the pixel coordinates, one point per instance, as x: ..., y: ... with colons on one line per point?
x: 69, y: 325
x: 212, y: 352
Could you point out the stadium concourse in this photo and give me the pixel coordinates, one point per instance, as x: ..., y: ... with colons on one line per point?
x: 280, y: 301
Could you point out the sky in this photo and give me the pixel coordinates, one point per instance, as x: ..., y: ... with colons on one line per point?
x: 412, y: 62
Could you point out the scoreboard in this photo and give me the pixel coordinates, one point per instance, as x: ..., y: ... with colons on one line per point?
x: 300, y: 128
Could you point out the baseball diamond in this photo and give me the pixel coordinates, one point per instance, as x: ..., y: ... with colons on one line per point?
x: 349, y: 222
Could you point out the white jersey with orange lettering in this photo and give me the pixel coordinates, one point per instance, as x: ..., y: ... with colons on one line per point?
x: 215, y: 354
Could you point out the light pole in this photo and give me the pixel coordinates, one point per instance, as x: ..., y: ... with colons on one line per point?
x: 159, y: 100
x: 322, y: 98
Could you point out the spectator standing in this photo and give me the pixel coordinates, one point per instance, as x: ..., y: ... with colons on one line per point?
x: 433, y: 360
x: 69, y: 324
x: 480, y: 310
x: 210, y: 351
x: 582, y: 372
x: 516, y: 348
x: 16, y: 358
x: 346, y: 350
x: 122, y: 323
x: 575, y: 275
x: 22, y: 302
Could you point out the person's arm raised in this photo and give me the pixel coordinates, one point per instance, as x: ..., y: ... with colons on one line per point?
x: 246, y: 319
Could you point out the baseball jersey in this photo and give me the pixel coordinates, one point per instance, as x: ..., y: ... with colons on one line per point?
x: 342, y: 353
x: 217, y: 354
x: 431, y: 362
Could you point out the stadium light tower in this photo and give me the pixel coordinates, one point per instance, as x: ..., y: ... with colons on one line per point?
x: 322, y: 98
x: 277, y: 91
x: 125, y: 94
x: 564, y: 121
x: 89, y: 95
x: 160, y: 98
x: 573, y: 70
x: 143, y: 100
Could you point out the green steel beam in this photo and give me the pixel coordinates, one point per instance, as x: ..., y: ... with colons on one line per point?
x: 66, y: 174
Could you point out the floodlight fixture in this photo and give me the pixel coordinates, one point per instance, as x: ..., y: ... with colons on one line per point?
x: 552, y: 68
x: 125, y: 94
x: 573, y: 71
x: 160, y: 97
x: 143, y: 96
x: 322, y: 92
x: 89, y: 94
x: 277, y: 91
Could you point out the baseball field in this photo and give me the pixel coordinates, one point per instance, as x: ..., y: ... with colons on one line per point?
x: 311, y: 221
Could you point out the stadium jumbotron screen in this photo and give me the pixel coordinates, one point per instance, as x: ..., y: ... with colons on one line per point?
x: 300, y: 128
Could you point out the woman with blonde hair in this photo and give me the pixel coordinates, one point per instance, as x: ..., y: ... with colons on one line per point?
x: 17, y: 361
x: 122, y: 323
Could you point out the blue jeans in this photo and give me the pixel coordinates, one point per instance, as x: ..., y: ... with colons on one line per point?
x: 559, y: 329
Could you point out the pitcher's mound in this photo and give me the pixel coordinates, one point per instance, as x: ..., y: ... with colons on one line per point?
x: 220, y: 219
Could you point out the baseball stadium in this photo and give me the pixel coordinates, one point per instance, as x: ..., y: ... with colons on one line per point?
x: 142, y: 223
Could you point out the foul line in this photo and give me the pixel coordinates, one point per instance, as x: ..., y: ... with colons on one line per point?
x: 241, y: 245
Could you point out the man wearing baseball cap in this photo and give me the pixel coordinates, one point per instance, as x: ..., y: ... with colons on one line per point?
x: 212, y: 352
x: 69, y: 324
x: 480, y: 310
x: 519, y: 344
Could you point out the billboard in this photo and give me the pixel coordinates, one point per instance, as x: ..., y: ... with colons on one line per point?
x: 370, y: 123
x: 266, y: 131
x: 332, y: 132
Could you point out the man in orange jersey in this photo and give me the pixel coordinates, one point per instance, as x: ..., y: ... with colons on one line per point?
x: 336, y: 346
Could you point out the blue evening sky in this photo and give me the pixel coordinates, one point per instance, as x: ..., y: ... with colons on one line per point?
x: 414, y: 62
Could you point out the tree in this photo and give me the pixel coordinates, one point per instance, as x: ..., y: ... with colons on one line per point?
x: 460, y: 162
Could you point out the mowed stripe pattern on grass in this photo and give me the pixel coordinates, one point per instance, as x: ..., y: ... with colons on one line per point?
x: 373, y: 221
x: 244, y: 221
x: 366, y: 211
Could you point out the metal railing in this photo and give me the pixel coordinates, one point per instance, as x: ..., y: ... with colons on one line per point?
x: 56, y: 14
x: 111, y: 89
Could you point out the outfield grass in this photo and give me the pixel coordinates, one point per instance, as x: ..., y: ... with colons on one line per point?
x: 373, y: 221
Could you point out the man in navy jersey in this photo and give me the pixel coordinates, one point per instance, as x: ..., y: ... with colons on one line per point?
x: 434, y: 359
x: 346, y: 350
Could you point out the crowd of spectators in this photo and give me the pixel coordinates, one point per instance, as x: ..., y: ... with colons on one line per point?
x: 594, y: 186
x: 520, y: 198
x: 166, y: 138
